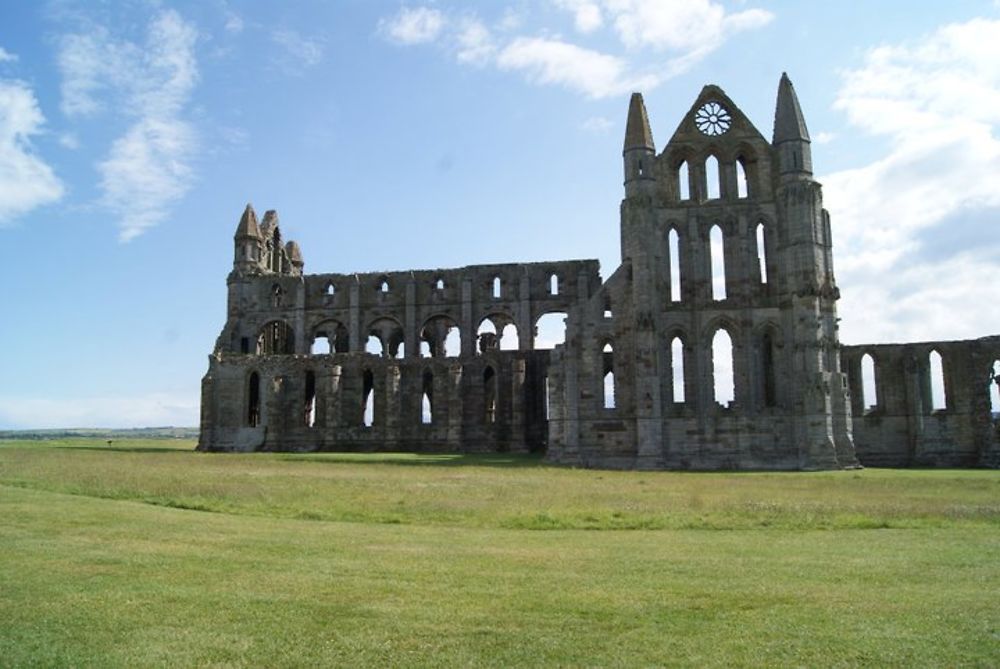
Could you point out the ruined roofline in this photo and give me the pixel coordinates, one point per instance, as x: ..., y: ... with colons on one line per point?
x: 988, y: 339
x: 585, y: 263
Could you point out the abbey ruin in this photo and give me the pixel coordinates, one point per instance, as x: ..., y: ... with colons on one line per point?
x: 725, y: 251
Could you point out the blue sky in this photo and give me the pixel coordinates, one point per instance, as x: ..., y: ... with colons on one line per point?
x: 396, y: 135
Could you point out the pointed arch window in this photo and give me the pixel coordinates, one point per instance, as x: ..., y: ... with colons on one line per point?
x: 683, y: 181
x: 939, y: 400
x: 490, y: 395
x: 869, y: 384
x: 717, y: 243
x: 674, y: 259
x: 995, y: 390
x: 253, y: 400
x: 761, y: 237
x: 742, y: 184
x: 608, y: 386
x: 713, y: 180
x: 309, y: 413
x: 368, y: 398
x: 553, y: 285
x: 677, y: 369
x: 427, y: 399
x: 496, y: 287
x: 722, y: 368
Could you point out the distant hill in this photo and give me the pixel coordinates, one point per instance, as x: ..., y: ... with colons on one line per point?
x: 104, y: 433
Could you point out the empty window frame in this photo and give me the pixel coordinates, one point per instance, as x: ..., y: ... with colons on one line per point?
x: 677, y: 369
x: 724, y: 387
x: 935, y: 370
x: 674, y: 260
x: 869, y: 385
x: 712, y: 177
x: 717, y: 245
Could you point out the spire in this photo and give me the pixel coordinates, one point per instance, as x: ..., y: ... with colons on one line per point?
x: 791, y: 139
x: 248, y: 224
x: 637, y: 132
x: 789, y: 124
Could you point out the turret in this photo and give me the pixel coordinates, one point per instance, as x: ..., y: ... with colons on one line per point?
x: 639, y: 151
x: 791, y: 138
x: 294, y: 257
x: 247, y: 241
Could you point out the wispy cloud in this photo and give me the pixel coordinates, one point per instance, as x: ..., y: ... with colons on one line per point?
x: 26, y: 181
x: 7, y: 56
x: 417, y: 25
x: 300, y: 51
x: 937, y: 103
x: 148, y: 168
x: 678, y: 33
x: 598, y: 124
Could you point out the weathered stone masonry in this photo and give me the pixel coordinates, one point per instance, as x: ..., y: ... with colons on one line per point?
x: 724, y: 238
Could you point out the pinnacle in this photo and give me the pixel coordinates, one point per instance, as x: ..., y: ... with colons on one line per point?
x: 637, y: 132
x: 789, y: 124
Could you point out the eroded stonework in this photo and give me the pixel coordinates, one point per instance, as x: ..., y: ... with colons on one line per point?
x: 723, y: 237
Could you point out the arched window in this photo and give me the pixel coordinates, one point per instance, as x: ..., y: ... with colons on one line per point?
x: 767, y: 370
x: 384, y: 287
x: 550, y: 330
x: 276, y: 295
x: 253, y: 400
x: 677, y: 369
x: 374, y: 345
x: 508, y: 338
x: 742, y: 186
x: 276, y: 338
x: 722, y: 368
x: 718, y: 259
x: 869, y: 386
x: 674, y: 251
x: 607, y: 353
x: 995, y: 390
x: 490, y: 395
x: 427, y: 399
x: 762, y: 252
x: 309, y: 413
x: 713, y: 191
x: 368, y: 397
x: 553, y: 285
x: 683, y: 181
x: 496, y: 287
x: 939, y: 400
x: 439, y: 285
x: 330, y: 289
x: 321, y: 345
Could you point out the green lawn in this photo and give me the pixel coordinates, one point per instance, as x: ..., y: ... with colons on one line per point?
x: 108, y: 558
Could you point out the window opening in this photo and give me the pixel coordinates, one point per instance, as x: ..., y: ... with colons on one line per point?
x: 310, y: 399
x: 384, y: 287
x: 607, y: 354
x: 490, y: 395
x: 674, y: 249
x: 368, y: 398
x: 439, y: 285
x: 683, y: 181
x: 550, y: 330
x: 427, y: 399
x: 722, y: 368
x: 553, y: 285
x: 496, y: 287
x: 718, y: 258
x: 869, y: 389
x: 253, y: 405
x: 995, y: 390
x: 677, y: 364
x: 742, y: 186
x: 712, y: 175
x: 938, y: 399
x: 762, y: 252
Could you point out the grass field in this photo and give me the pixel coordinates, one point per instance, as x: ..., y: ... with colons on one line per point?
x: 144, y: 553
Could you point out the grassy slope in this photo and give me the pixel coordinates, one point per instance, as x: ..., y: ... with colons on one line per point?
x: 439, y: 565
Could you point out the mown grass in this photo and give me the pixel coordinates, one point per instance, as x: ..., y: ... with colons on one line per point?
x: 406, y: 560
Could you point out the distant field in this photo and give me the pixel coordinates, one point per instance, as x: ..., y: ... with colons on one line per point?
x: 108, y: 558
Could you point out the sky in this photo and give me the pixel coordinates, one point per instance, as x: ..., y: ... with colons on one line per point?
x: 393, y: 135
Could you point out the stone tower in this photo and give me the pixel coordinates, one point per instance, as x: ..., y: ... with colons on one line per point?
x: 725, y: 246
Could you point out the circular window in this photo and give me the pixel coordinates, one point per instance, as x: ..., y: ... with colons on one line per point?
x: 712, y: 119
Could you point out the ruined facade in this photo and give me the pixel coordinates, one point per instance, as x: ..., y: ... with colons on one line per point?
x: 726, y: 265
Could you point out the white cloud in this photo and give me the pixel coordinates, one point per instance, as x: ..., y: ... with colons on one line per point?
x: 69, y: 141
x: 937, y: 102
x: 148, y: 167
x: 587, y: 15
x: 234, y: 23
x: 26, y: 181
x: 823, y: 137
x: 679, y: 32
x: 552, y: 61
x: 597, y: 124
x: 413, y: 25
x: 7, y: 56
x: 474, y: 43
x: 302, y: 50
x: 119, y: 412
